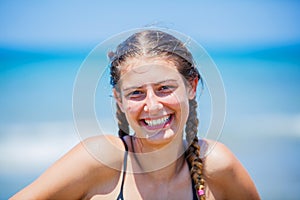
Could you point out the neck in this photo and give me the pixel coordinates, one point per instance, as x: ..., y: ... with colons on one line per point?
x: 159, y: 162
x: 168, y: 173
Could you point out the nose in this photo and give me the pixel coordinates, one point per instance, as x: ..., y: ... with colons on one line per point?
x: 152, y: 104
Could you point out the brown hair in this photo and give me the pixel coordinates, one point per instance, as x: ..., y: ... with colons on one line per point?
x: 156, y: 43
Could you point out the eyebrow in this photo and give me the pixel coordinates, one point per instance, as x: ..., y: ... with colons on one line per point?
x: 158, y: 83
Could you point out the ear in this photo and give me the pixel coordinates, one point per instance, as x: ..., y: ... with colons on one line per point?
x: 192, y: 88
x: 118, y: 99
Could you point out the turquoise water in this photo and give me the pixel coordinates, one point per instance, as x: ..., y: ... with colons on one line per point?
x: 262, y: 123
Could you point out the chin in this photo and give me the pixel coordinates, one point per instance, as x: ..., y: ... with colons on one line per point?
x: 161, y: 137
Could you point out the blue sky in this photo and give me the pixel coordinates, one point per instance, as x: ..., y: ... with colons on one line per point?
x: 69, y: 23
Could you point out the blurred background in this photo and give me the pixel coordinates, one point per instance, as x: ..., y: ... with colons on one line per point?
x: 255, y: 44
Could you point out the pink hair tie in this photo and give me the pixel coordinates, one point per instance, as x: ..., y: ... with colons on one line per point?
x: 200, y: 192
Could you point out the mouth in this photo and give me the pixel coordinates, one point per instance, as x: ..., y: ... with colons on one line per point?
x: 157, y: 123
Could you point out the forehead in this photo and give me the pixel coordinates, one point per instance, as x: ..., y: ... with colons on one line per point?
x: 147, y: 71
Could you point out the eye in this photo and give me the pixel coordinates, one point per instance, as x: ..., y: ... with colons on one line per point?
x: 135, y: 92
x: 165, y: 90
x: 164, y: 87
x: 135, y: 95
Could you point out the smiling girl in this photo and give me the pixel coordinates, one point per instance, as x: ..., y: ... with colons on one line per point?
x: 154, y: 81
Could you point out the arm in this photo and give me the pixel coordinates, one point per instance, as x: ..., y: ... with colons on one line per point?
x: 228, y: 174
x: 74, y: 174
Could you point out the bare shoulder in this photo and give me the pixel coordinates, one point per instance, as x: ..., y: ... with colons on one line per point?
x: 92, y: 161
x: 217, y: 157
x: 225, y: 174
x: 105, y: 149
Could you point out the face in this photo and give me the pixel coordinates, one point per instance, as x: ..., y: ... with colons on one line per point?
x: 154, y: 97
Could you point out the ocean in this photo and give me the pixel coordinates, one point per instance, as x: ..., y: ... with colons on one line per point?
x: 262, y: 125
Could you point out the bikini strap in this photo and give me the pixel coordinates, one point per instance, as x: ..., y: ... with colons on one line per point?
x: 120, y: 196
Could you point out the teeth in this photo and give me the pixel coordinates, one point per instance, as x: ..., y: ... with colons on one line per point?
x: 156, y: 122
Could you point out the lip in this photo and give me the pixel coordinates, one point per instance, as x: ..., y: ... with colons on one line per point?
x: 157, y: 123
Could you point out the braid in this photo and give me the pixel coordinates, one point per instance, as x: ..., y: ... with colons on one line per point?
x: 193, y: 151
x: 122, y: 123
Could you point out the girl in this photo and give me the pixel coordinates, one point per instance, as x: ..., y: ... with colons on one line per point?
x: 154, y: 81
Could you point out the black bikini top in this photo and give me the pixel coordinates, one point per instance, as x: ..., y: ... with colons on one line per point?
x: 120, y: 196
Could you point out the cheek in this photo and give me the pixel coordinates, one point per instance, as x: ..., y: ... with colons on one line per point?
x: 180, y: 105
x: 177, y: 101
x: 132, y: 108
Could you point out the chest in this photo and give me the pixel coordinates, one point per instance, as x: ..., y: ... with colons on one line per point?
x: 134, y: 190
x: 140, y: 187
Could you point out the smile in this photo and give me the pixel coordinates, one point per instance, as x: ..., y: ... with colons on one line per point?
x: 157, y: 123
